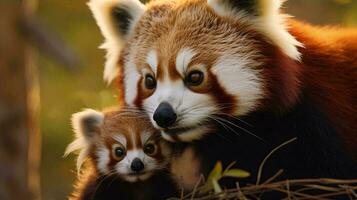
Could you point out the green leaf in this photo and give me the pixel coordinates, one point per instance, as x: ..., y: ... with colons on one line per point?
x: 236, y: 173
x: 229, y: 167
x: 216, y: 187
x: 216, y: 173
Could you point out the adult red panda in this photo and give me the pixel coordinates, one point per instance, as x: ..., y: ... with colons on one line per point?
x: 125, y: 157
x: 190, y: 62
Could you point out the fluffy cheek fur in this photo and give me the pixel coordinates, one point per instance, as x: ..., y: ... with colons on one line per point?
x: 192, y: 109
x: 239, y: 77
x: 103, y: 159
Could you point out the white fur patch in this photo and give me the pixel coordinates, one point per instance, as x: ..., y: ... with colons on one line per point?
x: 136, y: 153
x: 188, y: 136
x: 152, y: 60
x: 103, y: 155
x: 270, y: 22
x: 237, y: 76
x: 131, y: 80
x: 113, y: 39
x: 184, y: 58
x: 120, y: 138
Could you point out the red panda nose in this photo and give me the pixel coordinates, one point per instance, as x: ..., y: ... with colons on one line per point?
x: 137, y: 165
x: 165, y: 115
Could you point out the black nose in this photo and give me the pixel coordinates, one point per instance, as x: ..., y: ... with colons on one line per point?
x: 137, y: 165
x: 165, y: 115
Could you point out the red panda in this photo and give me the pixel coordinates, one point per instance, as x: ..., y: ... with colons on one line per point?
x: 242, y: 64
x: 125, y: 156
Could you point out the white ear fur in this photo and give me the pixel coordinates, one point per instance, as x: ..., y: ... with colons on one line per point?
x: 83, y: 124
x: 114, y: 38
x: 269, y: 22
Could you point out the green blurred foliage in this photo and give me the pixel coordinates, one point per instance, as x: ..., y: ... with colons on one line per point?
x: 64, y: 92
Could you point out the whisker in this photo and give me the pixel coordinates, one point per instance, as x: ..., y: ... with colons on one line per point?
x: 243, y: 129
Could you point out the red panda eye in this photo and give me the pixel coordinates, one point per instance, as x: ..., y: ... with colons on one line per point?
x: 150, y: 149
x: 150, y: 82
x: 118, y: 153
x: 194, y: 78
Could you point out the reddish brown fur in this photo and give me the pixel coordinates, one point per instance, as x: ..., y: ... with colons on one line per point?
x: 126, y: 124
x: 329, y: 73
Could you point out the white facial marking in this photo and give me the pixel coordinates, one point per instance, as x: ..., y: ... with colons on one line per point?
x: 120, y: 138
x: 103, y: 155
x: 184, y: 58
x: 151, y: 59
x: 137, y: 153
x: 131, y: 80
x: 237, y: 76
x: 188, y: 136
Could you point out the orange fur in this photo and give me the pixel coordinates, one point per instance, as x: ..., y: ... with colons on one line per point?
x: 329, y: 73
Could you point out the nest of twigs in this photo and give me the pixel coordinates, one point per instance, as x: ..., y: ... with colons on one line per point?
x: 299, y: 189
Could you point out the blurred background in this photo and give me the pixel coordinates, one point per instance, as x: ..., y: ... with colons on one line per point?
x: 57, y: 42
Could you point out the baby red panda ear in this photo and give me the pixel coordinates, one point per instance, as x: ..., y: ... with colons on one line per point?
x: 86, y: 124
x: 116, y: 19
x: 265, y: 17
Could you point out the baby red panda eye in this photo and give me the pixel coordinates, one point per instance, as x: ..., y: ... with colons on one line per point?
x: 194, y: 78
x: 118, y: 152
x: 150, y: 149
x: 150, y: 82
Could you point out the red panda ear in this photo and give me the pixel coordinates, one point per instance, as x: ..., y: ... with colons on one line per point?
x: 86, y: 124
x: 116, y: 20
x: 265, y: 17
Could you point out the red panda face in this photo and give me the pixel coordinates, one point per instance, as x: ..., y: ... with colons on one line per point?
x: 196, y: 64
x: 184, y: 62
x: 121, y: 144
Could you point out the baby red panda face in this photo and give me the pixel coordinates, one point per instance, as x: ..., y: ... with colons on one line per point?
x: 185, y: 62
x: 120, y: 143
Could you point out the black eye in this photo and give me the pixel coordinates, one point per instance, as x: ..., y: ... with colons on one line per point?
x: 150, y: 149
x: 194, y: 78
x: 150, y: 82
x: 119, y: 152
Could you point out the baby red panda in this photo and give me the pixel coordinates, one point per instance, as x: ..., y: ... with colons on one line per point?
x: 124, y: 157
x: 244, y: 64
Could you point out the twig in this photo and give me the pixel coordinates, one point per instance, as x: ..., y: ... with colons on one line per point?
x: 260, y: 171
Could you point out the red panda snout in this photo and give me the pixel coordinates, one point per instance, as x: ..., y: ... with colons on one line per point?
x: 164, y: 115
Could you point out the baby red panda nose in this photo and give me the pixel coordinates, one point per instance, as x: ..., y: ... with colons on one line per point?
x: 137, y: 165
x: 165, y: 115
